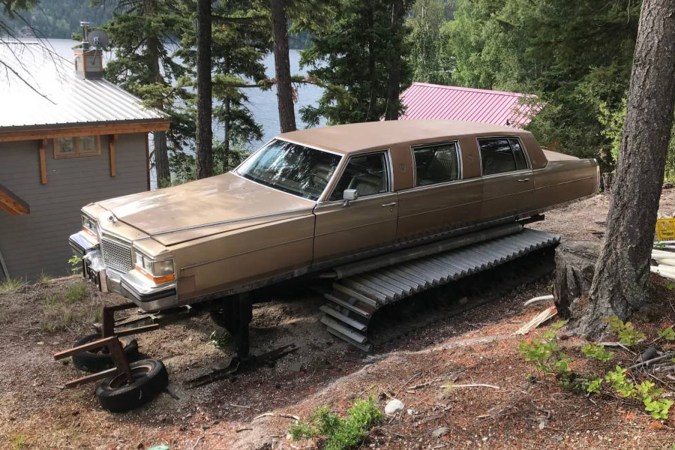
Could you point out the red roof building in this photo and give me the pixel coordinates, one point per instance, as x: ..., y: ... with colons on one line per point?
x: 433, y: 101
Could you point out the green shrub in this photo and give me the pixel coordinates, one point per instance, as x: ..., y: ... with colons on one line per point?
x: 340, y: 433
x: 598, y: 352
x: 545, y: 353
x: 668, y: 334
x: 626, y: 332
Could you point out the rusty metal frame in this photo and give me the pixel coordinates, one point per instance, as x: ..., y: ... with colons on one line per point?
x: 114, y: 347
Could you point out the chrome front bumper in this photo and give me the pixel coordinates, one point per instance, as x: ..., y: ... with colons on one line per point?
x: 148, y: 296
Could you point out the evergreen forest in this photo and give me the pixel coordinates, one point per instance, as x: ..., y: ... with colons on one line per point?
x: 573, y: 57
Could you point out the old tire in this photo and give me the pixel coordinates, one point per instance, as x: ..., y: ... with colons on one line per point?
x: 116, y: 394
x: 95, y: 360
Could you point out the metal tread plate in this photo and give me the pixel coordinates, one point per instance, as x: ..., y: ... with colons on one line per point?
x: 367, y: 292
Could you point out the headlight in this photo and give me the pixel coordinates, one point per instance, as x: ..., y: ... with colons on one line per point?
x: 158, y: 271
x: 89, y: 225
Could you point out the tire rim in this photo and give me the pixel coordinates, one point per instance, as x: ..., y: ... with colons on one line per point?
x: 137, y: 372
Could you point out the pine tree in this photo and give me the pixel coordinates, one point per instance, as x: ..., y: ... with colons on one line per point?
x: 240, y: 41
x: 142, y: 32
x: 359, y: 59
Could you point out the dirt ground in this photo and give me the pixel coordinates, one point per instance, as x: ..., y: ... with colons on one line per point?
x: 256, y: 410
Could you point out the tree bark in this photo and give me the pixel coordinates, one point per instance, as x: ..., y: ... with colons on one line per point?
x: 204, y: 91
x: 622, y: 270
x: 282, y: 66
x: 153, y: 45
x: 394, y: 79
x: 574, y: 269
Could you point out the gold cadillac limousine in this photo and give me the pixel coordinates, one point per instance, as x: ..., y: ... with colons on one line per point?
x: 312, y: 199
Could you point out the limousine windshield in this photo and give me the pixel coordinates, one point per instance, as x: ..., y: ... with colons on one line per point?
x: 291, y: 168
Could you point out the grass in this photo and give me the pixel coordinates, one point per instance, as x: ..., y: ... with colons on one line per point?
x: 44, y: 278
x: 12, y: 286
x: 69, y: 306
x: 340, y: 433
x: 18, y: 441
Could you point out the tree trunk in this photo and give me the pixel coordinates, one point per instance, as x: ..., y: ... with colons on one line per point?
x: 371, y: 113
x: 204, y: 91
x: 394, y: 79
x: 161, y: 159
x: 153, y: 46
x: 227, y: 123
x: 282, y: 66
x: 622, y: 270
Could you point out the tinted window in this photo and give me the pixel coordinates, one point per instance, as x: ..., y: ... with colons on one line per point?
x: 436, y: 164
x: 367, y: 174
x: 500, y: 155
x: 521, y: 162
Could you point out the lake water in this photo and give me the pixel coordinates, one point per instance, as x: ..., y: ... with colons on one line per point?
x: 263, y: 104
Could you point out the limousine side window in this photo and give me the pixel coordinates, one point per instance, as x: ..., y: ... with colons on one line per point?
x: 436, y: 163
x: 500, y: 155
x: 367, y: 174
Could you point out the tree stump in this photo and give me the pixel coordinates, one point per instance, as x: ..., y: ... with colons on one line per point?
x: 574, y: 269
x: 606, y: 179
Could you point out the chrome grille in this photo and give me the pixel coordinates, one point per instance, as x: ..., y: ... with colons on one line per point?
x: 116, y: 254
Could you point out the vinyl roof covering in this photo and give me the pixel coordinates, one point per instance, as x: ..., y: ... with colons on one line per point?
x: 39, y: 88
x: 377, y: 135
x: 433, y: 101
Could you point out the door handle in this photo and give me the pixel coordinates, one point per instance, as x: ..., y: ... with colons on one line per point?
x: 385, y: 205
x: 522, y: 180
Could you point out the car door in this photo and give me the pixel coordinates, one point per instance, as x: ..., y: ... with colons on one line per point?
x: 508, y: 183
x: 440, y: 198
x: 344, y: 229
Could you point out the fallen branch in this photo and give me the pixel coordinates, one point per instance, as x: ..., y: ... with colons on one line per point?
x: 491, y: 386
x: 649, y: 361
x: 541, y: 298
x: 285, y: 416
x: 540, y: 318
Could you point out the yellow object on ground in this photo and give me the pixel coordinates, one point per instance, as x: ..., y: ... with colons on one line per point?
x: 665, y: 229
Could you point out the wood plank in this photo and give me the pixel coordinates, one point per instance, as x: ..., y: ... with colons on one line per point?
x: 11, y: 203
x: 35, y: 133
x: 43, y: 161
x: 147, y: 162
x: 112, y: 139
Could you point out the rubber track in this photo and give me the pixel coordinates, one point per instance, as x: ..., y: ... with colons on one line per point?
x: 354, y: 301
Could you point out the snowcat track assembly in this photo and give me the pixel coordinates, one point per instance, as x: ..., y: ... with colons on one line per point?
x: 355, y: 299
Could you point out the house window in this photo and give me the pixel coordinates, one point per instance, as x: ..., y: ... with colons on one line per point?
x: 75, y: 147
x: 500, y: 155
x: 436, y: 164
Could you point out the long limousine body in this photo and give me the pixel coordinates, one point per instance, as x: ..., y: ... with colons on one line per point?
x: 311, y: 199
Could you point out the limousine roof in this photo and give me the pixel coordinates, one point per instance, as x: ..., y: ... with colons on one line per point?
x: 361, y: 136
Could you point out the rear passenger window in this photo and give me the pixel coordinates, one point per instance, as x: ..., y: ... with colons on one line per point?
x: 500, y: 155
x: 436, y: 164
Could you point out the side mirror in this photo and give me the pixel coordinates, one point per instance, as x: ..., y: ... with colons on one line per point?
x: 349, y: 195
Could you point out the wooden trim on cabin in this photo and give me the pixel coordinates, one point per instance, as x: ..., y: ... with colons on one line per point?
x: 147, y: 161
x: 43, y: 161
x: 11, y: 203
x: 112, y: 139
x: 28, y: 133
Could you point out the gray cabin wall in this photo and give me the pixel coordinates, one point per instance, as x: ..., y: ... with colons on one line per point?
x: 38, y: 242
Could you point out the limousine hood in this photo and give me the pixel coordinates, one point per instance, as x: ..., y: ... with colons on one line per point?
x: 205, y: 207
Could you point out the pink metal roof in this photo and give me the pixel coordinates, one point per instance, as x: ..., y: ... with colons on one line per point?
x: 433, y: 101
